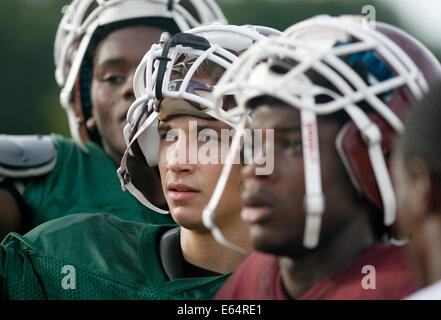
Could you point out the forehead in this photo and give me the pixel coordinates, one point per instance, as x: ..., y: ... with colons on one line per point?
x: 129, y: 41
x: 274, y: 115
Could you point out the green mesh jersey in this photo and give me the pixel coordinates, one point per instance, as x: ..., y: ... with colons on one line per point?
x: 82, y: 182
x: 93, y: 256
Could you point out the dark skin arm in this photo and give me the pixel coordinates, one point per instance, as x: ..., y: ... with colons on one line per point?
x: 10, y: 214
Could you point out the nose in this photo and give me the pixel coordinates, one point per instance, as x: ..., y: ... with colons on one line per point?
x: 181, y: 168
x: 177, y: 157
x: 127, y: 91
x: 249, y: 170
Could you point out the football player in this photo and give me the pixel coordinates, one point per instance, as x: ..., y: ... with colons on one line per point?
x: 416, y: 170
x: 98, y: 46
x: 116, y: 259
x: 335, y: 91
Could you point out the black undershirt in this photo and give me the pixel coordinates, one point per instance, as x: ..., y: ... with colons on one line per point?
x: 174, y: 263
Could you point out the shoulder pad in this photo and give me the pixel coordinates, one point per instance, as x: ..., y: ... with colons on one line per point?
x: 26, y: 156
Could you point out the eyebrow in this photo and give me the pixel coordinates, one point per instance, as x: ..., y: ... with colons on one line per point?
x: 203, y: 127
x: 164, y: 126
x: 110, y: 63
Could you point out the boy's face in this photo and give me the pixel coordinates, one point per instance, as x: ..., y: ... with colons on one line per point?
x: 187, y: 183
x: 415, y: 220
x: 403, y: 193
x: 273, y: 204
x: 115, y: 62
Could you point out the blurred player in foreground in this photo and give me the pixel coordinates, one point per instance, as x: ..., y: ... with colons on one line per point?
x: 335, y: 91
x: 417, y: 172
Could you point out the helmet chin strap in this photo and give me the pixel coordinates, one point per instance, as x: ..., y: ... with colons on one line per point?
x: 372, y: 137
x: 123, y: 174
x: 66, y: 92
x: 208, y: 214
x: 314, y: 201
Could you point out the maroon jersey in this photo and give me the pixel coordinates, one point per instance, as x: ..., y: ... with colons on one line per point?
x: 259, y: 278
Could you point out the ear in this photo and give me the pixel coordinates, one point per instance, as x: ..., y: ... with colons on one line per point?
x: 91, y: 123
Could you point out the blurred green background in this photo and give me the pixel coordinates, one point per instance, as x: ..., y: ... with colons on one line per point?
x: 28, y: 89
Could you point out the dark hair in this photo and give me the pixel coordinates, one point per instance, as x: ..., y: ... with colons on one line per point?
x: 207, y: 68
x: 422, y: 131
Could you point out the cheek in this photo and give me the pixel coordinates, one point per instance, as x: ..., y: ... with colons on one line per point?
x: 332, y: 168
x: 403, y: 197
x: 102, y: 99
x: 235, y: 181
x: 289, y: 188
x: 232, y: 190
x: 231, y: 200
x: 290, y: 172
x: 211, y: 174
x: 404, y: 201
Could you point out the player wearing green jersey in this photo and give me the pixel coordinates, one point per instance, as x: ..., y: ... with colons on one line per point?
x: 97, y: 48
x: 99, y: 256
x: 93, y: 256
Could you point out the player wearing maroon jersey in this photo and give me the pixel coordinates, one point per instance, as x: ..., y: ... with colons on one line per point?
x: 340, y: 84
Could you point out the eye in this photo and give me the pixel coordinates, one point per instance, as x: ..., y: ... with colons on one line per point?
x: 292, y: 146
x: 169, y: 136
x: 172, y: 136
x: 206, y: 137
x: 114, y: 79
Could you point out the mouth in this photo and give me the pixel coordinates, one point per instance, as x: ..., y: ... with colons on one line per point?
x: 256, y: 209
x: 181, y: 192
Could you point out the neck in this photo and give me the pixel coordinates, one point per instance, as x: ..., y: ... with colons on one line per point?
x: 113, y: 154
x: 426, y: 246
x: 303, y: 272
x: 201, y: 249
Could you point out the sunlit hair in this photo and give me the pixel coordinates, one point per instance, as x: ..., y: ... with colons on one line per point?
x: 207, y: 69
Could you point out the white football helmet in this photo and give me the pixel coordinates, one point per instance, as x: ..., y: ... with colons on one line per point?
x: 152, y: 85
x: 83, y: 17
x: 328, y: 64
